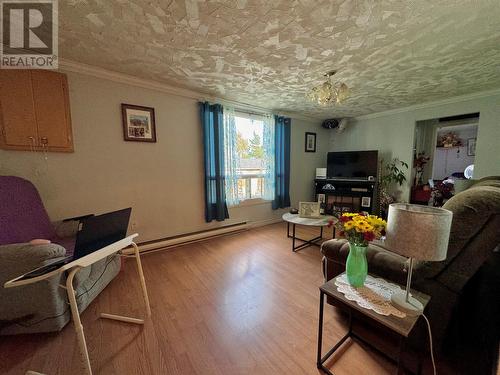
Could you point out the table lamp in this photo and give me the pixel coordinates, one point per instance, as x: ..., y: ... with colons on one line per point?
x: 416, y: 232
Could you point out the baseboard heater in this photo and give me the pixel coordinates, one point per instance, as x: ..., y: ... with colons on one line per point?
x: 187, y: 238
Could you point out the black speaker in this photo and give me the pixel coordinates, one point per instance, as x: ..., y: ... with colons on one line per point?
x: 330, y: 123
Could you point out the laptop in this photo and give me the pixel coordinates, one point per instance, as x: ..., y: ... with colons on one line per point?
x: 94, y: 233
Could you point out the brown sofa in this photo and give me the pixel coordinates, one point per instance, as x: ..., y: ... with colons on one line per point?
x: 475, y: 234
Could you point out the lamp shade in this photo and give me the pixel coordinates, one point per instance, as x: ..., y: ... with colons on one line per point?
x: 419, y: 232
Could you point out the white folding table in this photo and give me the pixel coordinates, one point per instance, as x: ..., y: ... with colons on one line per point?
x: 72, y: 268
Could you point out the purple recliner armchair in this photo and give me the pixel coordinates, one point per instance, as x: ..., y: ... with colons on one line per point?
x: 23, y: 216
x: 42, y: 306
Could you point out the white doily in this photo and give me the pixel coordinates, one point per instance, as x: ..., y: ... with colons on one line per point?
x: 374, y: 295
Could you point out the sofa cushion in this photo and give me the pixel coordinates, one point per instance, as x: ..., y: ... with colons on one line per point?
x: 23, y: 216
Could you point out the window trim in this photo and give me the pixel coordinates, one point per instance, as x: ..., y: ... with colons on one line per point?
x: 248, y: 202
x: 252, y: 202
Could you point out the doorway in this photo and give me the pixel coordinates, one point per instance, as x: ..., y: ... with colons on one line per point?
x: 452, y: 160
x: 444, y: 154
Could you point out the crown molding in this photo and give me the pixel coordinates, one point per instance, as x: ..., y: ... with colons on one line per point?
x: 437, y: 103
x: 94, y: 71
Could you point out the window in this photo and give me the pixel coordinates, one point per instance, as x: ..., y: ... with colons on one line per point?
x: 250, y: 149
x: 250, y: 163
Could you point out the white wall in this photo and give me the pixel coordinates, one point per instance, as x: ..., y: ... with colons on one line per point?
x: 162, y: 181
x: 392, y: 133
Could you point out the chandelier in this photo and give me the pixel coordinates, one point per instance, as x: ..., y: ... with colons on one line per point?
x: 329, y: 92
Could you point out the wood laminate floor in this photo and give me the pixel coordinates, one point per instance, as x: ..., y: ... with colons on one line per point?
x: 239, y: 304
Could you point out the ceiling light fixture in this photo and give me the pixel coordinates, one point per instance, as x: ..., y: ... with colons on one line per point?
x: 329, y: 92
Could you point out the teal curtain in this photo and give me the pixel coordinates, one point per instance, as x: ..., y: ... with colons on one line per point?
x: 269, y: 158
x: 282, y: 128
x: 231, y: 158
x: 213, y: 142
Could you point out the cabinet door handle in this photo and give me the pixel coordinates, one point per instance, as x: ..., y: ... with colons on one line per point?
x: 45, y: 146
x: 32, y: 143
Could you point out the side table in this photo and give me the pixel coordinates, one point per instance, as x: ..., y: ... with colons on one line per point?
x: 401, y: 326
x: 72, y: 268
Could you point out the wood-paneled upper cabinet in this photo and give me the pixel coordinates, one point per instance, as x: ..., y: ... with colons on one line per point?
x: 35, y: 113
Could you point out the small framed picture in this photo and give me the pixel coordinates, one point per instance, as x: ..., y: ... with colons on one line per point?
x: 366, y: 201
x: 321, y: 198
x: 138, y: 123
x: 310, y: 142
x: 309, y: 210
x: 471, y: 147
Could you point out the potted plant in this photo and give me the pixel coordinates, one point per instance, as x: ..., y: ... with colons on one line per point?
x: 359, y: 230
x: 419, y: 164
x: 392, y: 173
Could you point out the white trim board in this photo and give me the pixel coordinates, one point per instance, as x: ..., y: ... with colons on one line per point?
x: 76, y: 67
x: 437, y: 103
x: 190, y: 238
x: 201, y: 236
x: 261, y: 223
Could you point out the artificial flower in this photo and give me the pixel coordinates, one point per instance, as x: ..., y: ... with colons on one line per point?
x: 361, y: 228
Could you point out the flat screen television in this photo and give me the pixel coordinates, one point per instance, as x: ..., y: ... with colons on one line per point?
x: 352, y: 164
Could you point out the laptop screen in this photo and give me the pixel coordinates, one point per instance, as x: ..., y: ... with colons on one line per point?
x: 99, y: 231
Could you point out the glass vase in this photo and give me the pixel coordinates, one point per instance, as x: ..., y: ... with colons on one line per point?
x: 356, y: 267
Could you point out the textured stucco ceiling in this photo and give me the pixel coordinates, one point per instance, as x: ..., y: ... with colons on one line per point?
x: 269, y: 53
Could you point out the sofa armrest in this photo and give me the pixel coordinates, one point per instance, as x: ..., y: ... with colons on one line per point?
x: 34, y: 307
x: 381, y: 262
x: 17, y: 259
x: 331, y: 249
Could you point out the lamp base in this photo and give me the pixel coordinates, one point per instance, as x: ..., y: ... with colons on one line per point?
x: 412, y: 307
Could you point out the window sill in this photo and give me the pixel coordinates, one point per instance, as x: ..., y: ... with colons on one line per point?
x: 251, y: 202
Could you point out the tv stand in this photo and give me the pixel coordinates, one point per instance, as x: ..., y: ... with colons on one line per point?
x: 349, y: 180
x: 346, y: 195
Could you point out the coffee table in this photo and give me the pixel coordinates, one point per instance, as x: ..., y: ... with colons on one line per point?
x: 401, y: 326
x: 294, y: 219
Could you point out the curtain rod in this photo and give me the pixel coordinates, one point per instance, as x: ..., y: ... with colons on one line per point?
x: 257, y: 111
x: 252, y: 113
x: 254, y: 110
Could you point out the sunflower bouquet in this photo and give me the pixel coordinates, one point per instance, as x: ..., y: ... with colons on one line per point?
x: 359, y: 229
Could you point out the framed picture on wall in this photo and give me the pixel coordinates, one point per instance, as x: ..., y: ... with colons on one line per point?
x: 471, y: 147
x: 310, y: 142
x: 138, y: 123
